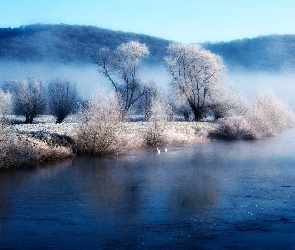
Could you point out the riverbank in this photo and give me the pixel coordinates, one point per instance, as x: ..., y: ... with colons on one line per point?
x: 43, y: 141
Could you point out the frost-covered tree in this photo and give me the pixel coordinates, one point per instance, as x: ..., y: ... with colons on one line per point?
x: 29, y: 99
x: 121, y: 67
x: 62, y: 98
x: 197, y: 75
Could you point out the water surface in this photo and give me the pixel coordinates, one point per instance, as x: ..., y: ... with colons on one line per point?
x: 218, y: 195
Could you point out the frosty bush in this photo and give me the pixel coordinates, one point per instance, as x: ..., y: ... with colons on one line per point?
x: 159, y: 115
x: 18, y: 150
x: 100, y: 126
x: 227, y: 104
x: 235, y: 127
x: 266, y: 116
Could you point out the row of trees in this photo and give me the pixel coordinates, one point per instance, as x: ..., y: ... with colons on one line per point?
x: 29, y: 98
x: 197, y: 77
x: 197, y: 85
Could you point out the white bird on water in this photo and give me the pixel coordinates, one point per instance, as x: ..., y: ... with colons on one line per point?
x: 159, y: 150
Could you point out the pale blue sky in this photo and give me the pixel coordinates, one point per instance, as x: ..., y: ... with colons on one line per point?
x: 179, y: 20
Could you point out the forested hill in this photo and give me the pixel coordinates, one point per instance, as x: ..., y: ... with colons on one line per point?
x: 273, y: 52
x: 73, y: 43
x: 69, y: 43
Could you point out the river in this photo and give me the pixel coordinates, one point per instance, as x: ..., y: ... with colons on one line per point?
x: 217, y: 195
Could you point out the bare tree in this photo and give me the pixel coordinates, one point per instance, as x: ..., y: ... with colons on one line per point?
x: 29, y: 100
x: 62, y: 98
x: 121, y: 67
x: 197, y: 75
x: 151, y: 92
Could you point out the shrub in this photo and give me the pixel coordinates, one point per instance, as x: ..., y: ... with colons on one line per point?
x: 266, y: 116
x: 100, y: 126
x: 159, y: 114
x: 235, y: 127
x: 269, y: 115
x: 227, y: 104
x: 15, y: 152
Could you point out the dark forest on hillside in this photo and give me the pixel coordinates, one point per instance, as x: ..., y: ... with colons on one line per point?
x: 76, y: 44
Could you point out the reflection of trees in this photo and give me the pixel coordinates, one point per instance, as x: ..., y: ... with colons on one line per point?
x: 15, y: 185
x: 7, y: 181
x: 195, y: 190
x: 121, y: 189
x: 114, y: 192
x: 132, y: 198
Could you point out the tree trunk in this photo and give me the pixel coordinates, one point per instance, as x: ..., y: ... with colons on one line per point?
x: 60, y: 119
x: 186, y: 115
x: 29, y: 119
x: 197, y: 113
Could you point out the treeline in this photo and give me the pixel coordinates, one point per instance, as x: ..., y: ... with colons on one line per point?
x: 29, y: 98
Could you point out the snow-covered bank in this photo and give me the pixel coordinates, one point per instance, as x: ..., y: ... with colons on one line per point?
x: 32, y: 144
x: 176, y: 132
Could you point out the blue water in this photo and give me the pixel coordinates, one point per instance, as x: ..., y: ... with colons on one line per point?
x: 218, y: 195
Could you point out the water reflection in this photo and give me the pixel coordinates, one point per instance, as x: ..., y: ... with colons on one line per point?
x: 190, y: 197
x: 139, y: 184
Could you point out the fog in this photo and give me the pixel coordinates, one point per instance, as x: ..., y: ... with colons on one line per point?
x: 250, y: 83
x: 88, y: 78
x: 85, y: 76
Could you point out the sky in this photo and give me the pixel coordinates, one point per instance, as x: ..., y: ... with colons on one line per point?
x: 178, y: 20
